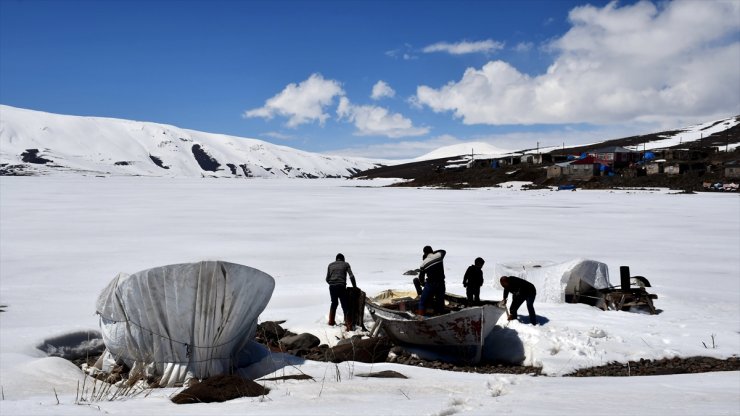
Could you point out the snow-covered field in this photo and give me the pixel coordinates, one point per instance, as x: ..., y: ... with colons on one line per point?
x: 62, y: 239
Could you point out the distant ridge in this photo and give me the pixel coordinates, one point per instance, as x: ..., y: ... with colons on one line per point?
x: 40, y: 143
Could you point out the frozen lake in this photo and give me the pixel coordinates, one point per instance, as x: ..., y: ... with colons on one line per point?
x: 62, y: 239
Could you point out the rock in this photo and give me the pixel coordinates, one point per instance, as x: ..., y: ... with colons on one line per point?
x: 303, y: 341
x: 369, y: 350
x: 383, y: 374
x: 270, y: 331
x: 353, y: 339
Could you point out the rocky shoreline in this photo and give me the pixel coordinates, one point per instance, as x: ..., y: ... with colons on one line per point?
x: 379, y: 349
x: 376, y: 350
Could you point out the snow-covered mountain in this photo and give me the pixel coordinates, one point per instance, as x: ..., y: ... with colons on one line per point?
x: 34, y: 142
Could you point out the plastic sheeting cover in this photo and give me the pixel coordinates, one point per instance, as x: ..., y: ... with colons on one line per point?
x: 554, y: 280
x: 387, y: 297
x: 183, y: 320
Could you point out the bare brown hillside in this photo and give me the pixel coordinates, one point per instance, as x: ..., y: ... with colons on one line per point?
x: 709, y: 158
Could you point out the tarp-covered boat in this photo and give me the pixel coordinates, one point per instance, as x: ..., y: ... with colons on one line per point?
x: 581, y: 281
x: 456, y: 335
x: 183, y: 320
x: 558, y: 282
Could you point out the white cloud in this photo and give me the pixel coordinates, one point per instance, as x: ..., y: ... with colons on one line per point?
x: 381, y: 90
x: 616, y: 64
x: 406, y: 52
x: 372, y: 120
x: 523, y: 47
x: 301, y: 103
x: 464, y: 47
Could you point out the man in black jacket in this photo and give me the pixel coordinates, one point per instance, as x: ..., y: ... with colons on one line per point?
x: 336, y: 277
x: 473, y: 280
x: 522, y: 291
x: 432, y: 278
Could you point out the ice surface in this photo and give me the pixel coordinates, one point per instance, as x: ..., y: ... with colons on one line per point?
x: 63, y: 239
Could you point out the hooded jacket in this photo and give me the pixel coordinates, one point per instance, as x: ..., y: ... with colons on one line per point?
x: 432, y: 267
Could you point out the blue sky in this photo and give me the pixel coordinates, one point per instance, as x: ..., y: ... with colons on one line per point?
x: 378, y: 79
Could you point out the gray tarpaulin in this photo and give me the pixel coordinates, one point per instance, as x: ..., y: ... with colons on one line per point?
x: 183, y: 320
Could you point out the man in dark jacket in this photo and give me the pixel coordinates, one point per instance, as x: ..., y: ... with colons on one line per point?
x: 432, y: 278
x: 336, y: 277
x: 473, y: 280
x: 522, y: 291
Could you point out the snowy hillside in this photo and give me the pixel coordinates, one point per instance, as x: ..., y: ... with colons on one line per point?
x: 692, y: 134
x: 478, y: 148
x: 34, y: 142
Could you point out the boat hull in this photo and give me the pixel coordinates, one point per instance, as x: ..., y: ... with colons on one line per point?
x: 457, y: 335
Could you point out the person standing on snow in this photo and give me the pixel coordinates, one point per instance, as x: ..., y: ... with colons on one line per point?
x: 432, y: 278
x: 336, y: 277
x: 522, y: 291
x: 473, y: 280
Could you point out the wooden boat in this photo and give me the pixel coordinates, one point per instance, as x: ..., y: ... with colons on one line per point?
x: 457, y: 334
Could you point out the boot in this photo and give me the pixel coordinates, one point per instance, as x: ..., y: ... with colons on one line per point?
x: 332, y: 315
x: 348, y: 323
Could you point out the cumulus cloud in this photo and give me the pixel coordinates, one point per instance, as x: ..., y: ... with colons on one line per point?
x: 381, y: 90
x: 301, y: 103
x: 616, y: 64
x: 523, y: 47
x: 370, y: 120
x: 464, y: 47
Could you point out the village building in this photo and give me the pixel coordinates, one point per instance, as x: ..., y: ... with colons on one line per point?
x: 732, y: 169
x: 674, y: 169
x: 509, y: 160
x: 615, y: 156
x: 579, y: 170
x: 557, y: 170
x: 536, y: 158
x: 655, y: 168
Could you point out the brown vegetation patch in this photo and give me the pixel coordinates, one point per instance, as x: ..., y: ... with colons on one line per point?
x: 220, y: 389
x: 383, y: 374
x: 289, y: 377
x: 665, y: 366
